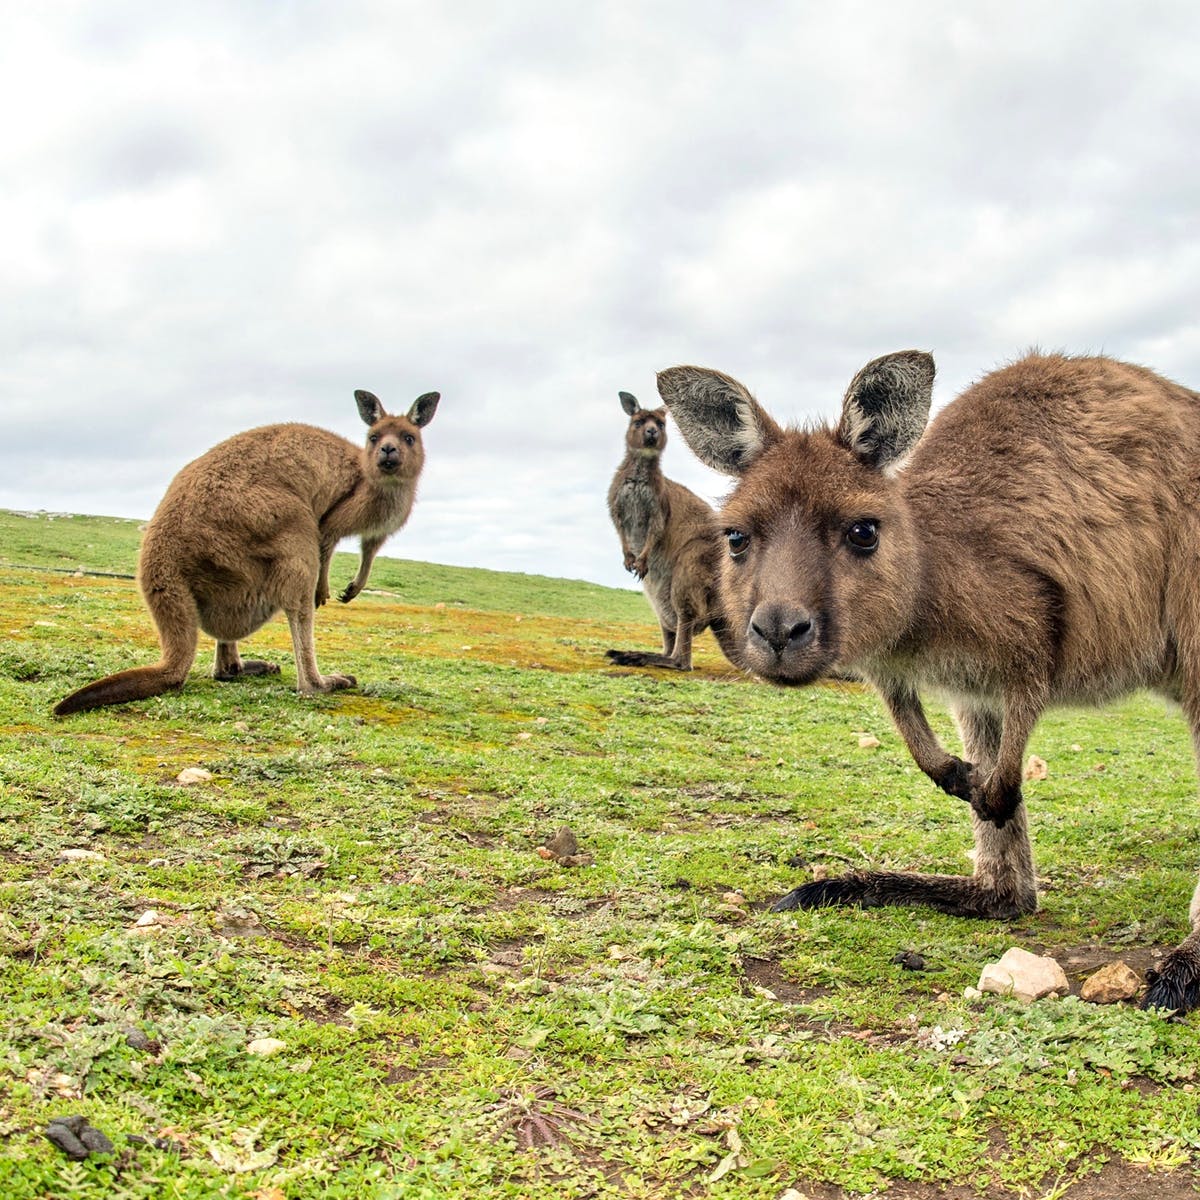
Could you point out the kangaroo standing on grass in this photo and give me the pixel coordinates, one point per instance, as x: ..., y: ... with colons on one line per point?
x: 249, y: 528
x: 1040, y: 546
x: 670, y: 540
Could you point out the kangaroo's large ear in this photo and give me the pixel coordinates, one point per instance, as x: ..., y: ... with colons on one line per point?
x: 423, y: 408
x: 369, y: 407
x: 629, y: 403
x: 724, y: 425
x: 886, y: 407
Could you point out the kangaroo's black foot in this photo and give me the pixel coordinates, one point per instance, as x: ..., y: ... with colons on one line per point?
x: 249, y: 666
x: 1175, y: 986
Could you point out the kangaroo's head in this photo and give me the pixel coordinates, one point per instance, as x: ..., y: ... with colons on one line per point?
x: 394, y: 450
x: 823, y: 563
x: 647, y: 432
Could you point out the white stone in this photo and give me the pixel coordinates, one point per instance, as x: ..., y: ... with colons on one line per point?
x: 265, y: 1046
x: 81, y: 855
x: 190, y: 775
x: 1026, y: 976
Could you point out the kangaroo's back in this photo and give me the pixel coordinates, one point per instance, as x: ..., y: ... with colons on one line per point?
x: 1058, y: 491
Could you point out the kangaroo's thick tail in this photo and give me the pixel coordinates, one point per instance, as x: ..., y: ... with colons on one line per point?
x: 138, y: 683
x: 174, y: 613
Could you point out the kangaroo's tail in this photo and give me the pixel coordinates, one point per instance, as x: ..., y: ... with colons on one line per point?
x: 138, y: 683
x: 174, y: 613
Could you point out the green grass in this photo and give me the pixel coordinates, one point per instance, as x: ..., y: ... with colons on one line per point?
x: 360, y: 880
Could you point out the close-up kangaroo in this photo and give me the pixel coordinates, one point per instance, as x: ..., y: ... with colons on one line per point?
x: 1037, y: 545
x: 249, y: 529
x: 669, y: 539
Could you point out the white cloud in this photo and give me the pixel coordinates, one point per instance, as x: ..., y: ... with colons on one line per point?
x: 226, y: 215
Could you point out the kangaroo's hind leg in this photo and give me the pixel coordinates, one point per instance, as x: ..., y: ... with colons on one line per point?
x: 297, y: 577
x: 229, y: 664
x: 1175, y: 985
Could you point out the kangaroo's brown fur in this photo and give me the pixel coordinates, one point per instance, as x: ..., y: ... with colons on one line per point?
x: 1038, y: 547
x: 670, y: 541
x: 249, y: 528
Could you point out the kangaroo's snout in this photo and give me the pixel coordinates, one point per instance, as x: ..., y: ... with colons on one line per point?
x: 783, y: 643
x: 781, y: 627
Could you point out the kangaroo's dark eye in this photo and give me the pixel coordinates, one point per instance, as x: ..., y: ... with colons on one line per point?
x: 739, y: 542
x: 863, y: 536
x: 409, y: 440
x: 373, y: 438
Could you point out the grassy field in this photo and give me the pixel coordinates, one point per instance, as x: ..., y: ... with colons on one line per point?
x: 451, y: 1014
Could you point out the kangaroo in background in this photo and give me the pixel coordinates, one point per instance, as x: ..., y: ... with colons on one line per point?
x: 249, y: 528
x: 1038, y: 547
x: 669, y: 539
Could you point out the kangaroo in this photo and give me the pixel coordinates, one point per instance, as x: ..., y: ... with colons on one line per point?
x: 1036, y: 546
x: 669, y: 538
x: 249, y: 528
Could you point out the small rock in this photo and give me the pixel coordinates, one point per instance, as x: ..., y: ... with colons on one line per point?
x: 732, y: 898
x: 910, y: 960
x: 149, y: 917
x: 136, y: 1039
x: 81, y: 855
x: 191, y: 775
x: 575, y: 860
x: 1026, y: 976
x: 868, y: 741
x: 1113, y: 982
x: 265, y: 1047
x: 1036, y: 768
x: 972, y: 993
x: 563, y: 843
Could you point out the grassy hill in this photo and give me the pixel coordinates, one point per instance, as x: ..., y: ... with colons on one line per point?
x: 338, y: 966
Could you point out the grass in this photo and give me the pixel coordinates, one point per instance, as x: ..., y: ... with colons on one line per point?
x: 459, y: 1016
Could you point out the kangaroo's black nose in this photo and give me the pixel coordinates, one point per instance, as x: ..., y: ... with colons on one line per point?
x: 781, y: 626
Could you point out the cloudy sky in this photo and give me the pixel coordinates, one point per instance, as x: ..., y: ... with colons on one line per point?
x: 220, y: 215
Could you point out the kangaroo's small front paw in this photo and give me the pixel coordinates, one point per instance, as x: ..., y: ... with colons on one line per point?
x: 348, y: 593
x: 958, y: 779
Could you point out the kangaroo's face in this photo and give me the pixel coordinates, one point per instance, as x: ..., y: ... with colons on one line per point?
x: 819, y: 561
x: 822, y: 564
x: 647, y: 432
x: 394, y: 450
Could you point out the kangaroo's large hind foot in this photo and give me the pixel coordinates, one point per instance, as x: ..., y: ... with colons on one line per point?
x: 1175, y: 985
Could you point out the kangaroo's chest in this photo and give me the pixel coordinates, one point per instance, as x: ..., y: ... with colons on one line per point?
x: 634, y: 507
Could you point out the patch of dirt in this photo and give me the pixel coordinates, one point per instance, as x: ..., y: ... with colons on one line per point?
x: 1081, y: 961
x: 332, y: 1011
x: 1117, y: 1180
x: 766, y: 973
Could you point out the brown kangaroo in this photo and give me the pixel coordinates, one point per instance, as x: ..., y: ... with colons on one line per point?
x: 670, y: 540
x: 249, y: 528
x: 1038, y: 547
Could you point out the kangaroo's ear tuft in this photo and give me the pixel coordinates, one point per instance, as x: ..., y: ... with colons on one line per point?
x: 887, y: 406
x: 423, y: 408
x: 369, y: 407
x: 724, y: 425
x: 629, y: 402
